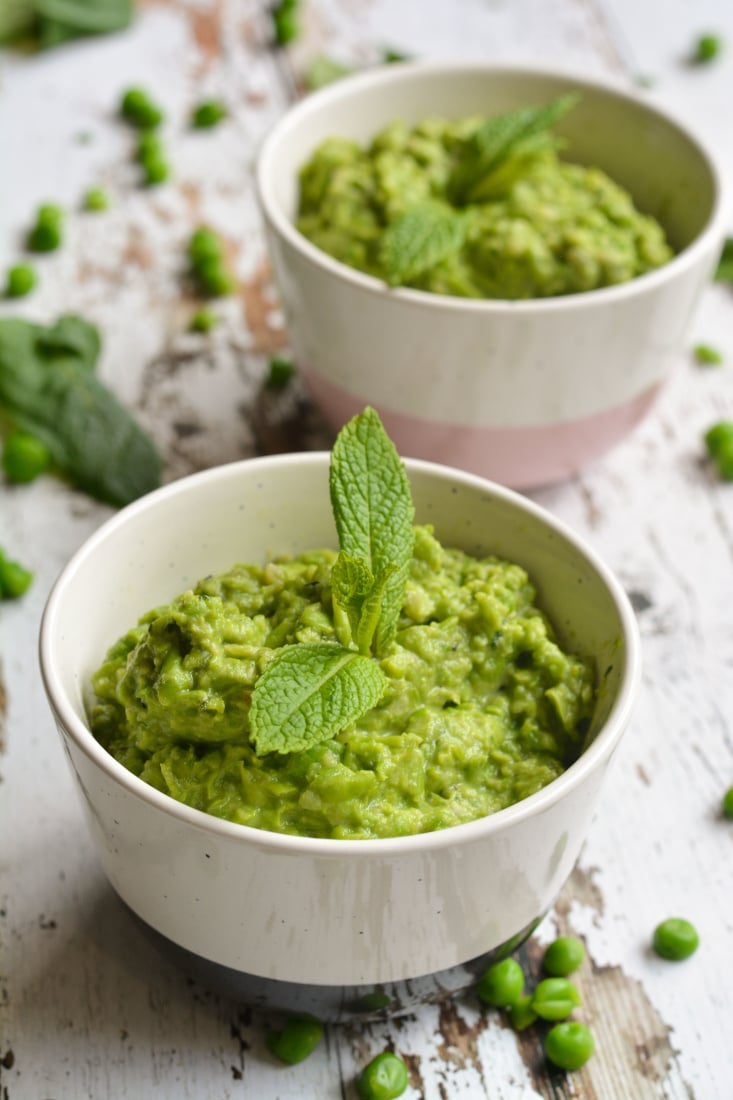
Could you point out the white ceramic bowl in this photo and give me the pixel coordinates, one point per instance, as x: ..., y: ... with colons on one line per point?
x: 303, y: 923
x: 524, y: 392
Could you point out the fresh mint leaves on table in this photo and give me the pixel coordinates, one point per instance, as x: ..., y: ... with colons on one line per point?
x: 420, y: 238
x: 309, y: 693
x: 52, y: 22
x: 49, y: 390
x: 494, y: 155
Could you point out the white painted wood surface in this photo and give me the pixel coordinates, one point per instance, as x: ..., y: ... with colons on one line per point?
x: 87, y: 1008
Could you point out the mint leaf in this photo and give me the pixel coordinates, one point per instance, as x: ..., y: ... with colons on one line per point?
x: 523, y: 133
x: 373, y: 510
x: 371, y: 610
x: 309, y: 693
x: 48, y: 389
x: 351, y: 583
x: 420, y: 238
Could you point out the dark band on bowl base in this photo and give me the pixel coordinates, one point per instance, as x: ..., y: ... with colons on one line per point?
x: 332, y: 1003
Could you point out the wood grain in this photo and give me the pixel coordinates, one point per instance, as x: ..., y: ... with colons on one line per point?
x: 87, y: 1007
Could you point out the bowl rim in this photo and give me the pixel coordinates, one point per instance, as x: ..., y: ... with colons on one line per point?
x: 409, y: 70
x: 603, y: 744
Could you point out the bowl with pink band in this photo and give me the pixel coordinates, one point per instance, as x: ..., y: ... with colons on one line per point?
x: 523, y: 392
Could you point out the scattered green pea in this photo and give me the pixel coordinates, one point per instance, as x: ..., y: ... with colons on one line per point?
x: 280, y: 373
x: 563, y: 956
x: 24, y: 457
x: 214, y: 278
x: 299, y: 1037
x: 522, y: 1014
x: 139, y: 109
x: 49, y: 214
x: 718, y: 436
x: 96, y: 199
x: 555, y: 998
x: 21, y: 280
x: 384, y: 1078
x: 675, y: 939
x: 285, y: 24
x: 15, y: 579
x: 390, y: 57
x: 206, y: 253
x: 149, y: 145
x: 708, y: 355
x: 208, y: 114
x: 155, y: 169
x: 569, y: 1045
x: 728, y: 803
x: 204, y: 245
x: 707, y: 48
x: 501, y: 985
x: 719, y: 442
x: 46, y: 235
x: 203, y: 320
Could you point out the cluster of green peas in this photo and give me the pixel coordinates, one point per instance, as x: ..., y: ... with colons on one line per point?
x: 139, y: 110
x: 568, y: 1044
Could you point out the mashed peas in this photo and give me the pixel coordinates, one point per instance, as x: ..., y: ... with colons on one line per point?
x: 543, y: 227
x: 482, y: 707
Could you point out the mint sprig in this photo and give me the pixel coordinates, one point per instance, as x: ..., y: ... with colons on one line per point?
x: 310, y: 692
x: 419, y: 238
x: 373, y: 510
x: 515, y: 136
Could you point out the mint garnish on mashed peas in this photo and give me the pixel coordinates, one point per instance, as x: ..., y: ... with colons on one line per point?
x: 388, y: 688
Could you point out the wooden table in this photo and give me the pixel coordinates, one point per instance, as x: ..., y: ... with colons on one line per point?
x: 87, y: 1007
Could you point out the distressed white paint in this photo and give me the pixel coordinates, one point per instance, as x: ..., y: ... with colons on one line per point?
x: 86, y: 1005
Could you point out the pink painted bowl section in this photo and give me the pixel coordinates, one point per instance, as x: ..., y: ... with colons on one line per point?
x: 522, y: 392
x: 293, y: 921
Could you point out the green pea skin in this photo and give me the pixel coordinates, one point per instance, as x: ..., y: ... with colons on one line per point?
x: 718, y: 436
x: 707, y: 355
x: 728, y: 803
x: 214, y: 278
x: 15, y: 579
x: 204, y: 245
x: 139, y: 110
x: 149, y: 145
x: 521, y: 1014
x: 24, y: 458
x: 707, y: 47
x: 675, y: 939
x: 501, y: 985
x: 21, y: 280
x: 203, y: 321
x: 208, y: 114
x: 96, y: 200
x: 155, y: 170
x: 280, y: 372
x: 384, y: 1078
x: 298, y: 1038
x: 555, y: 998
x: 569, y: 1045
x: 563, y: 956
x: 285, y: 25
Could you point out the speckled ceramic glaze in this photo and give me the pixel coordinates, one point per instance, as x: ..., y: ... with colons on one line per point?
x: 522, y: 392
x: 296, y: 920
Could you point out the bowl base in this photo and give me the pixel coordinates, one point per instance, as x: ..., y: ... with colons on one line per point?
x: 332, y: 1003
